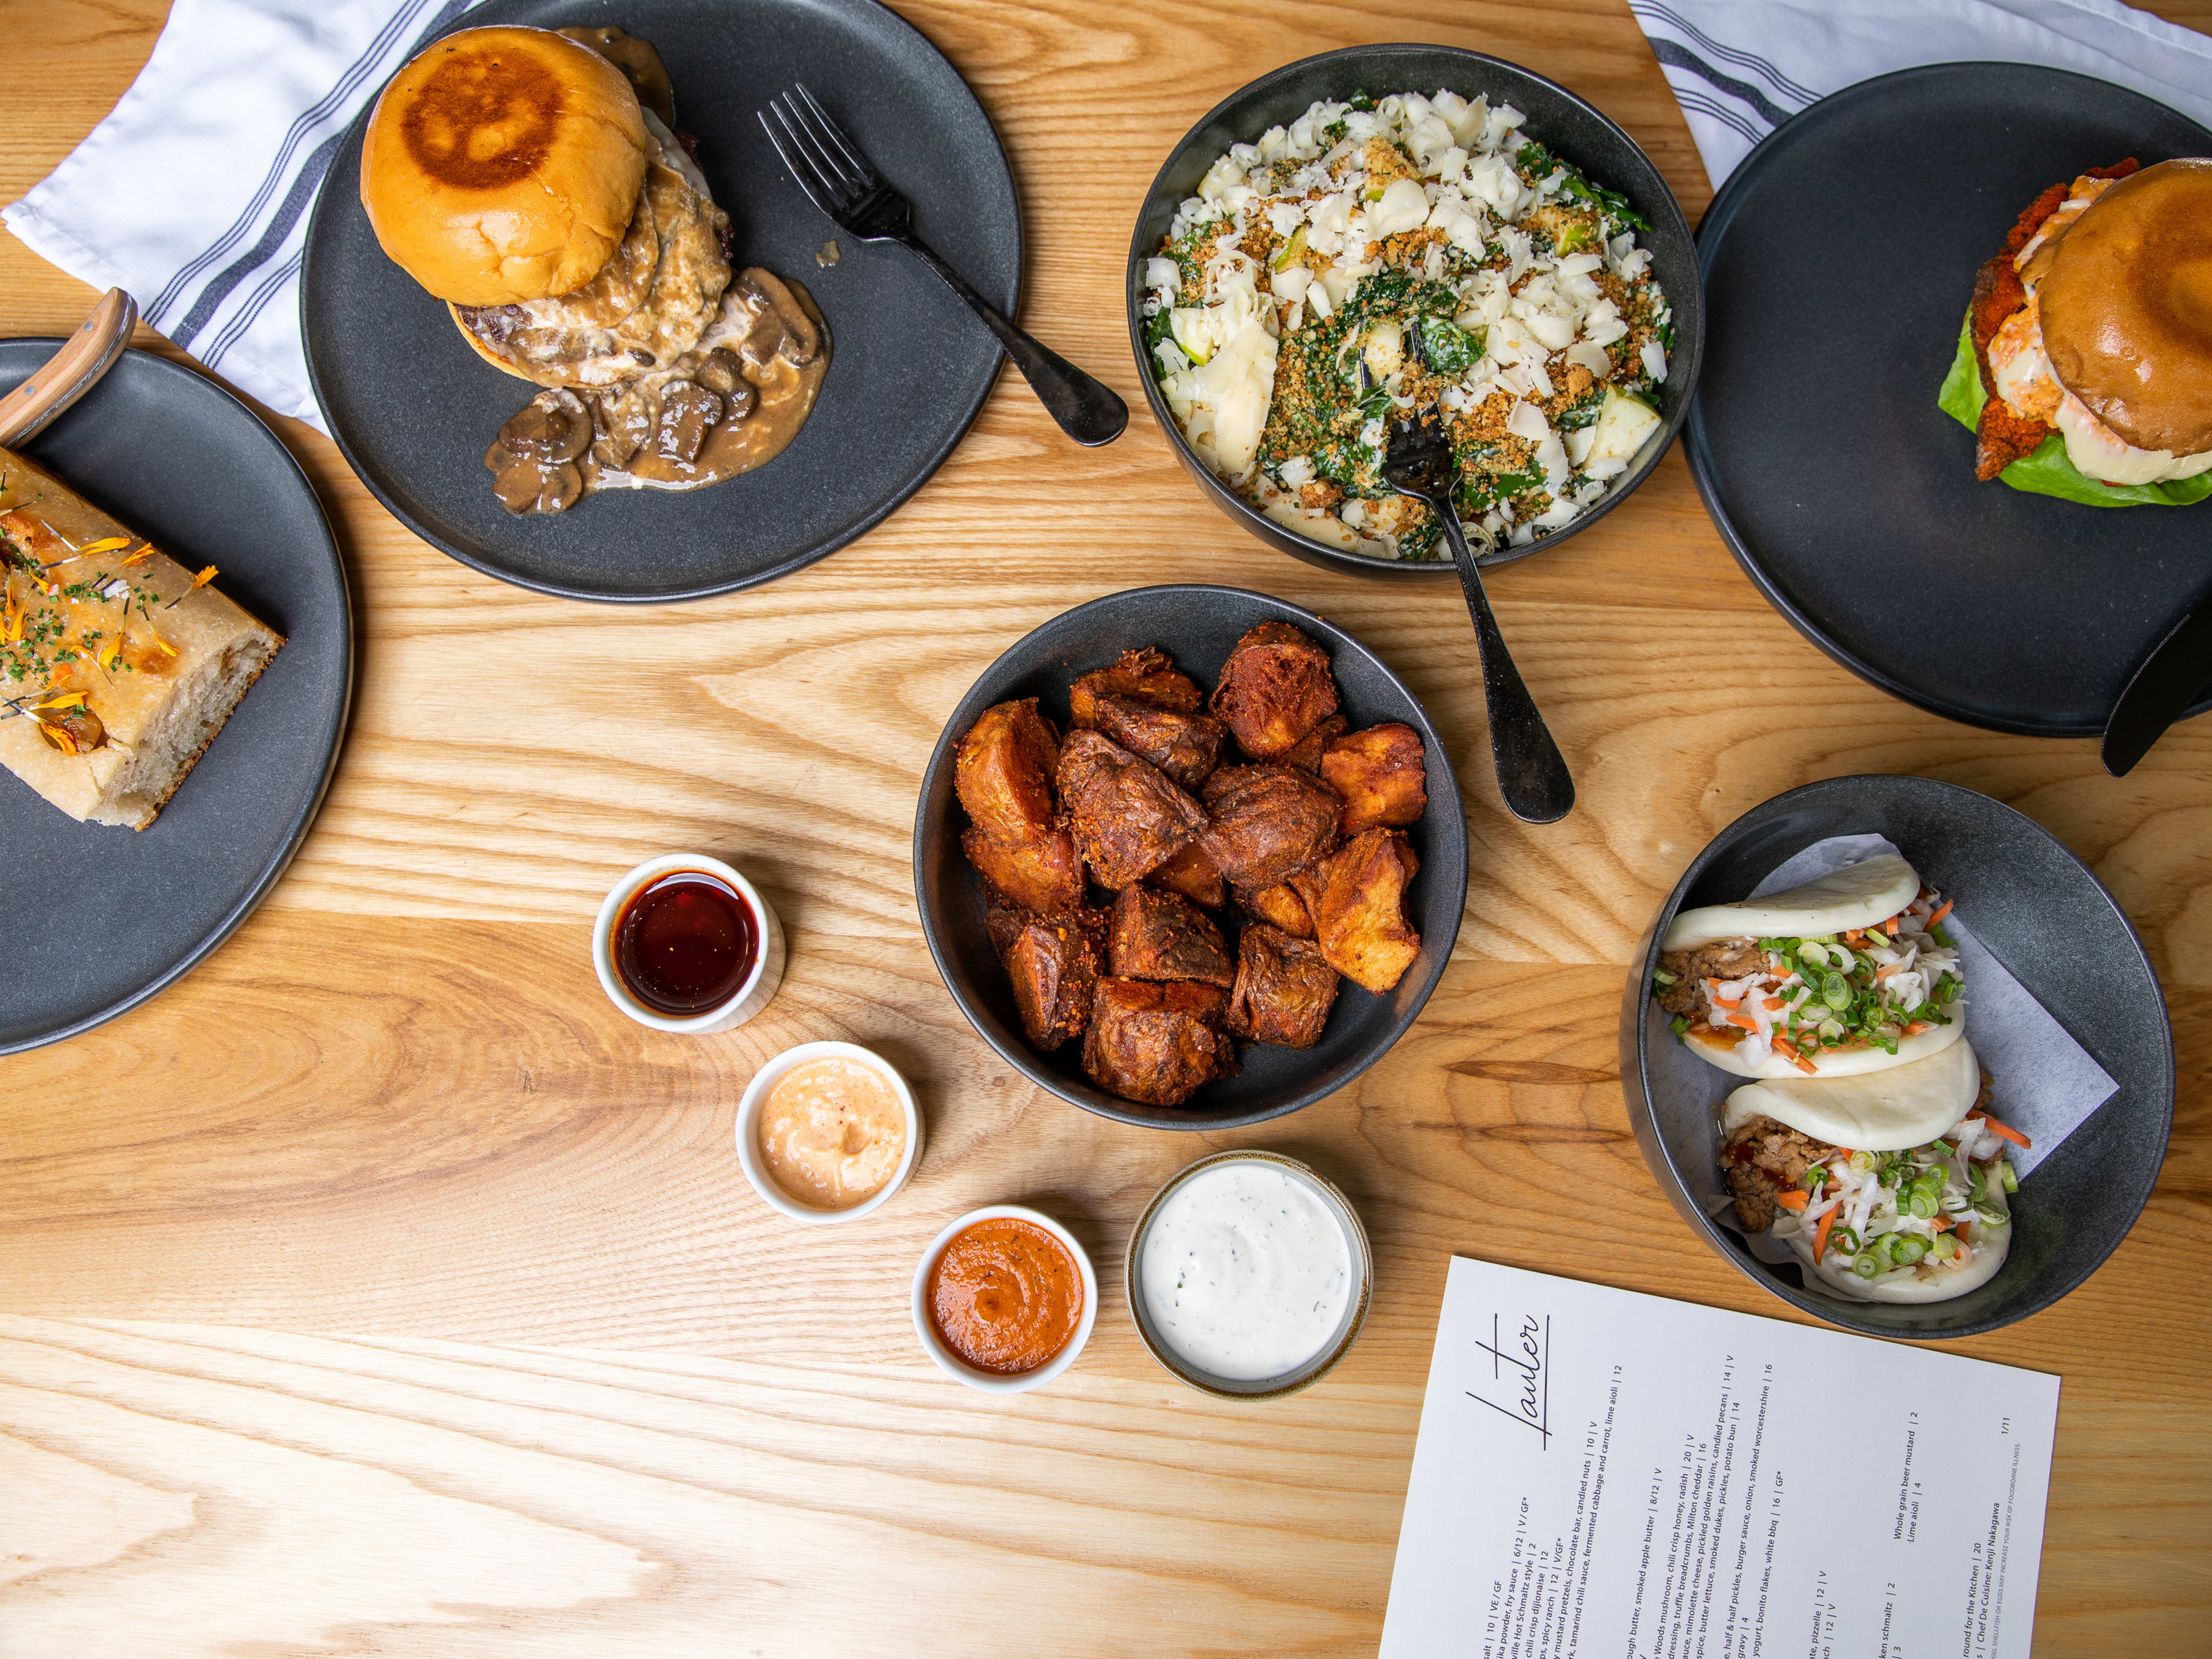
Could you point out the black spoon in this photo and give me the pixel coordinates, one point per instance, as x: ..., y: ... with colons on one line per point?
x: 1532, y: 773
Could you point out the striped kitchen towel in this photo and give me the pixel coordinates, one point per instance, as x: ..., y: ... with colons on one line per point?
x: 193, y: 194
x: 1740, y: 68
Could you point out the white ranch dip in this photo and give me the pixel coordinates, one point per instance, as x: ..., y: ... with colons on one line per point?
x: 1246, y: 1273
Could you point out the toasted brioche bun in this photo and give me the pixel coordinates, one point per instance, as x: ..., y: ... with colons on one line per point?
x: 480, y: 349
x: 2127, y: 308
x: 1830, y: 1062
x: 503, y: 165
x: 1890, y: 1111
x: 1857, y: 896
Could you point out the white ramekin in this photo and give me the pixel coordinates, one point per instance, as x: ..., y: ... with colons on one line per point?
x: 1000, y: 1382
x: 747, y: 1000
x: 749, y: 1111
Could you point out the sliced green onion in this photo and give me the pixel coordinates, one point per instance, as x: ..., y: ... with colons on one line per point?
x: 1994, y: 1214
x: 1945, y: 1147
x: 1661, y: 977
x: 1679, y: 1025
x: 1943, y: 1247
x: 1843, y: 1241
x: 2005, y: 1175
x: 1866, y: 1264
x: 1908, y: 1249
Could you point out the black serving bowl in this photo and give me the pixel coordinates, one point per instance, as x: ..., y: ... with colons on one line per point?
x: 2019, y: 889
x: 1572, y: 129
x: 1197, y: 626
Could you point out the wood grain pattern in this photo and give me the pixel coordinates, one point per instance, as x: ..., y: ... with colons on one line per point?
x: 595, y: 1399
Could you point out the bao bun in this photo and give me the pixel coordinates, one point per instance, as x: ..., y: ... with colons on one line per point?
x: 2126, y: 307
x: 1857, y: 896
x: 1890, y: 1111
x: 1826, y: 1062
x: 1992, y: 1242
x: 503, y: 165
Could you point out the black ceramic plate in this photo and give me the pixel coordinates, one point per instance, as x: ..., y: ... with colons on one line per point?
x: 1573, y: 129
x: 1839, y: 260
x: 99, y: 919
x: 1196, y: 626
x: 414, y: 409
x: 2019, y: 889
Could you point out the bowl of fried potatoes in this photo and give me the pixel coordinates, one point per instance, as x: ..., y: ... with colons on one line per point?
x: 1190, y: 857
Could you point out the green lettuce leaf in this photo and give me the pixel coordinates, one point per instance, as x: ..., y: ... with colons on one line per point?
x: 2048, y: 472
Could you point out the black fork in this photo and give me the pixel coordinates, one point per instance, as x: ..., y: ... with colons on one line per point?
x: 1532, y: 773
x: 841, y: 181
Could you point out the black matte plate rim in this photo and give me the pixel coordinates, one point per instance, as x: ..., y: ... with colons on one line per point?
x: 1635, y: 1047
x: 1711, y: 230
x: 1016, y: 1054
x: 1320, y: 553
x: 310, y: 331
x: 193, y: 386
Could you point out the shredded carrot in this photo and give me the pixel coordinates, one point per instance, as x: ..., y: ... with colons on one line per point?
x: 1744, y: 1020
x: 2009, y: 1132
x: 1885, y: 970
x: 1773, y: 1003
x: 1890, y: 928
x: 1790, y: 1050
x: 1963, y: 1239
x: 1942, y: 913
x: 1792, y: 1200
x: 1916, y: 1027
x: 1944, y: 1224
x: 1820, y: 1234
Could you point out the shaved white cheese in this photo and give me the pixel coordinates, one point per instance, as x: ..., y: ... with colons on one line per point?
x: 1655, y: 360
x: 1527, y: 421
x: 1404, y: 206
x: 1162, y: 274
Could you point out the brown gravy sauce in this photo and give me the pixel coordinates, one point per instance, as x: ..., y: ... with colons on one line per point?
x: 733, y: 403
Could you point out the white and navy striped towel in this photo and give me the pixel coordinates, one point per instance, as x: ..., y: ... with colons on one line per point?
x: 1740, y: 68
x: 193, y: 195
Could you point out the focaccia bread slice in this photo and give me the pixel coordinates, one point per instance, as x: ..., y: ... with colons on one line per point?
x: 117, y: 665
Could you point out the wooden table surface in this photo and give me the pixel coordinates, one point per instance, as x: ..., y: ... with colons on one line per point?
x: 379, y: 1289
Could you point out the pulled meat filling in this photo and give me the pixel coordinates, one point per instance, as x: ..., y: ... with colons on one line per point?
x: 1762, y: 1159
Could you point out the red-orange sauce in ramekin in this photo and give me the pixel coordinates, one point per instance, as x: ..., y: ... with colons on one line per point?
x: 1006, y: 1295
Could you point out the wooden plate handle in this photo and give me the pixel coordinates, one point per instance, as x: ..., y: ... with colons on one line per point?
x: 71, y: 371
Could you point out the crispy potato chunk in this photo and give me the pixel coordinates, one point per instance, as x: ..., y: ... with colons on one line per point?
x: 1127, y: 819
x: 1156, y: 1043
x: 1155, y: 935
x: 1308, y: 750
x: 1054, y: 963
x: 1280, y: 907
x: 1381, y: 776
x: 1360, y: 913
x: 1192, y: 873
x: 1147, y: 675
x: 1273, y: 689
x: 1185, y: 747
x: 1267, y: 820
x: 1041, y: 872
x: 1283, y: 990
x: 1003, y: 773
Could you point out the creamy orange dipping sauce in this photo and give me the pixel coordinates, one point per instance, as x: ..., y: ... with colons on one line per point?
x: 1006, y: 1295
x: 832, y: 1132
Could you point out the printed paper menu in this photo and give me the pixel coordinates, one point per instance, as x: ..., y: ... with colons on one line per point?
x: 1605, y: 1474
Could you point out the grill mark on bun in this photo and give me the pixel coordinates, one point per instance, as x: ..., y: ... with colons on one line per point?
x: 481, y: 122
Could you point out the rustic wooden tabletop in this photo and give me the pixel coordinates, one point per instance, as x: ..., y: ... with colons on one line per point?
x: 379, y: 1288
